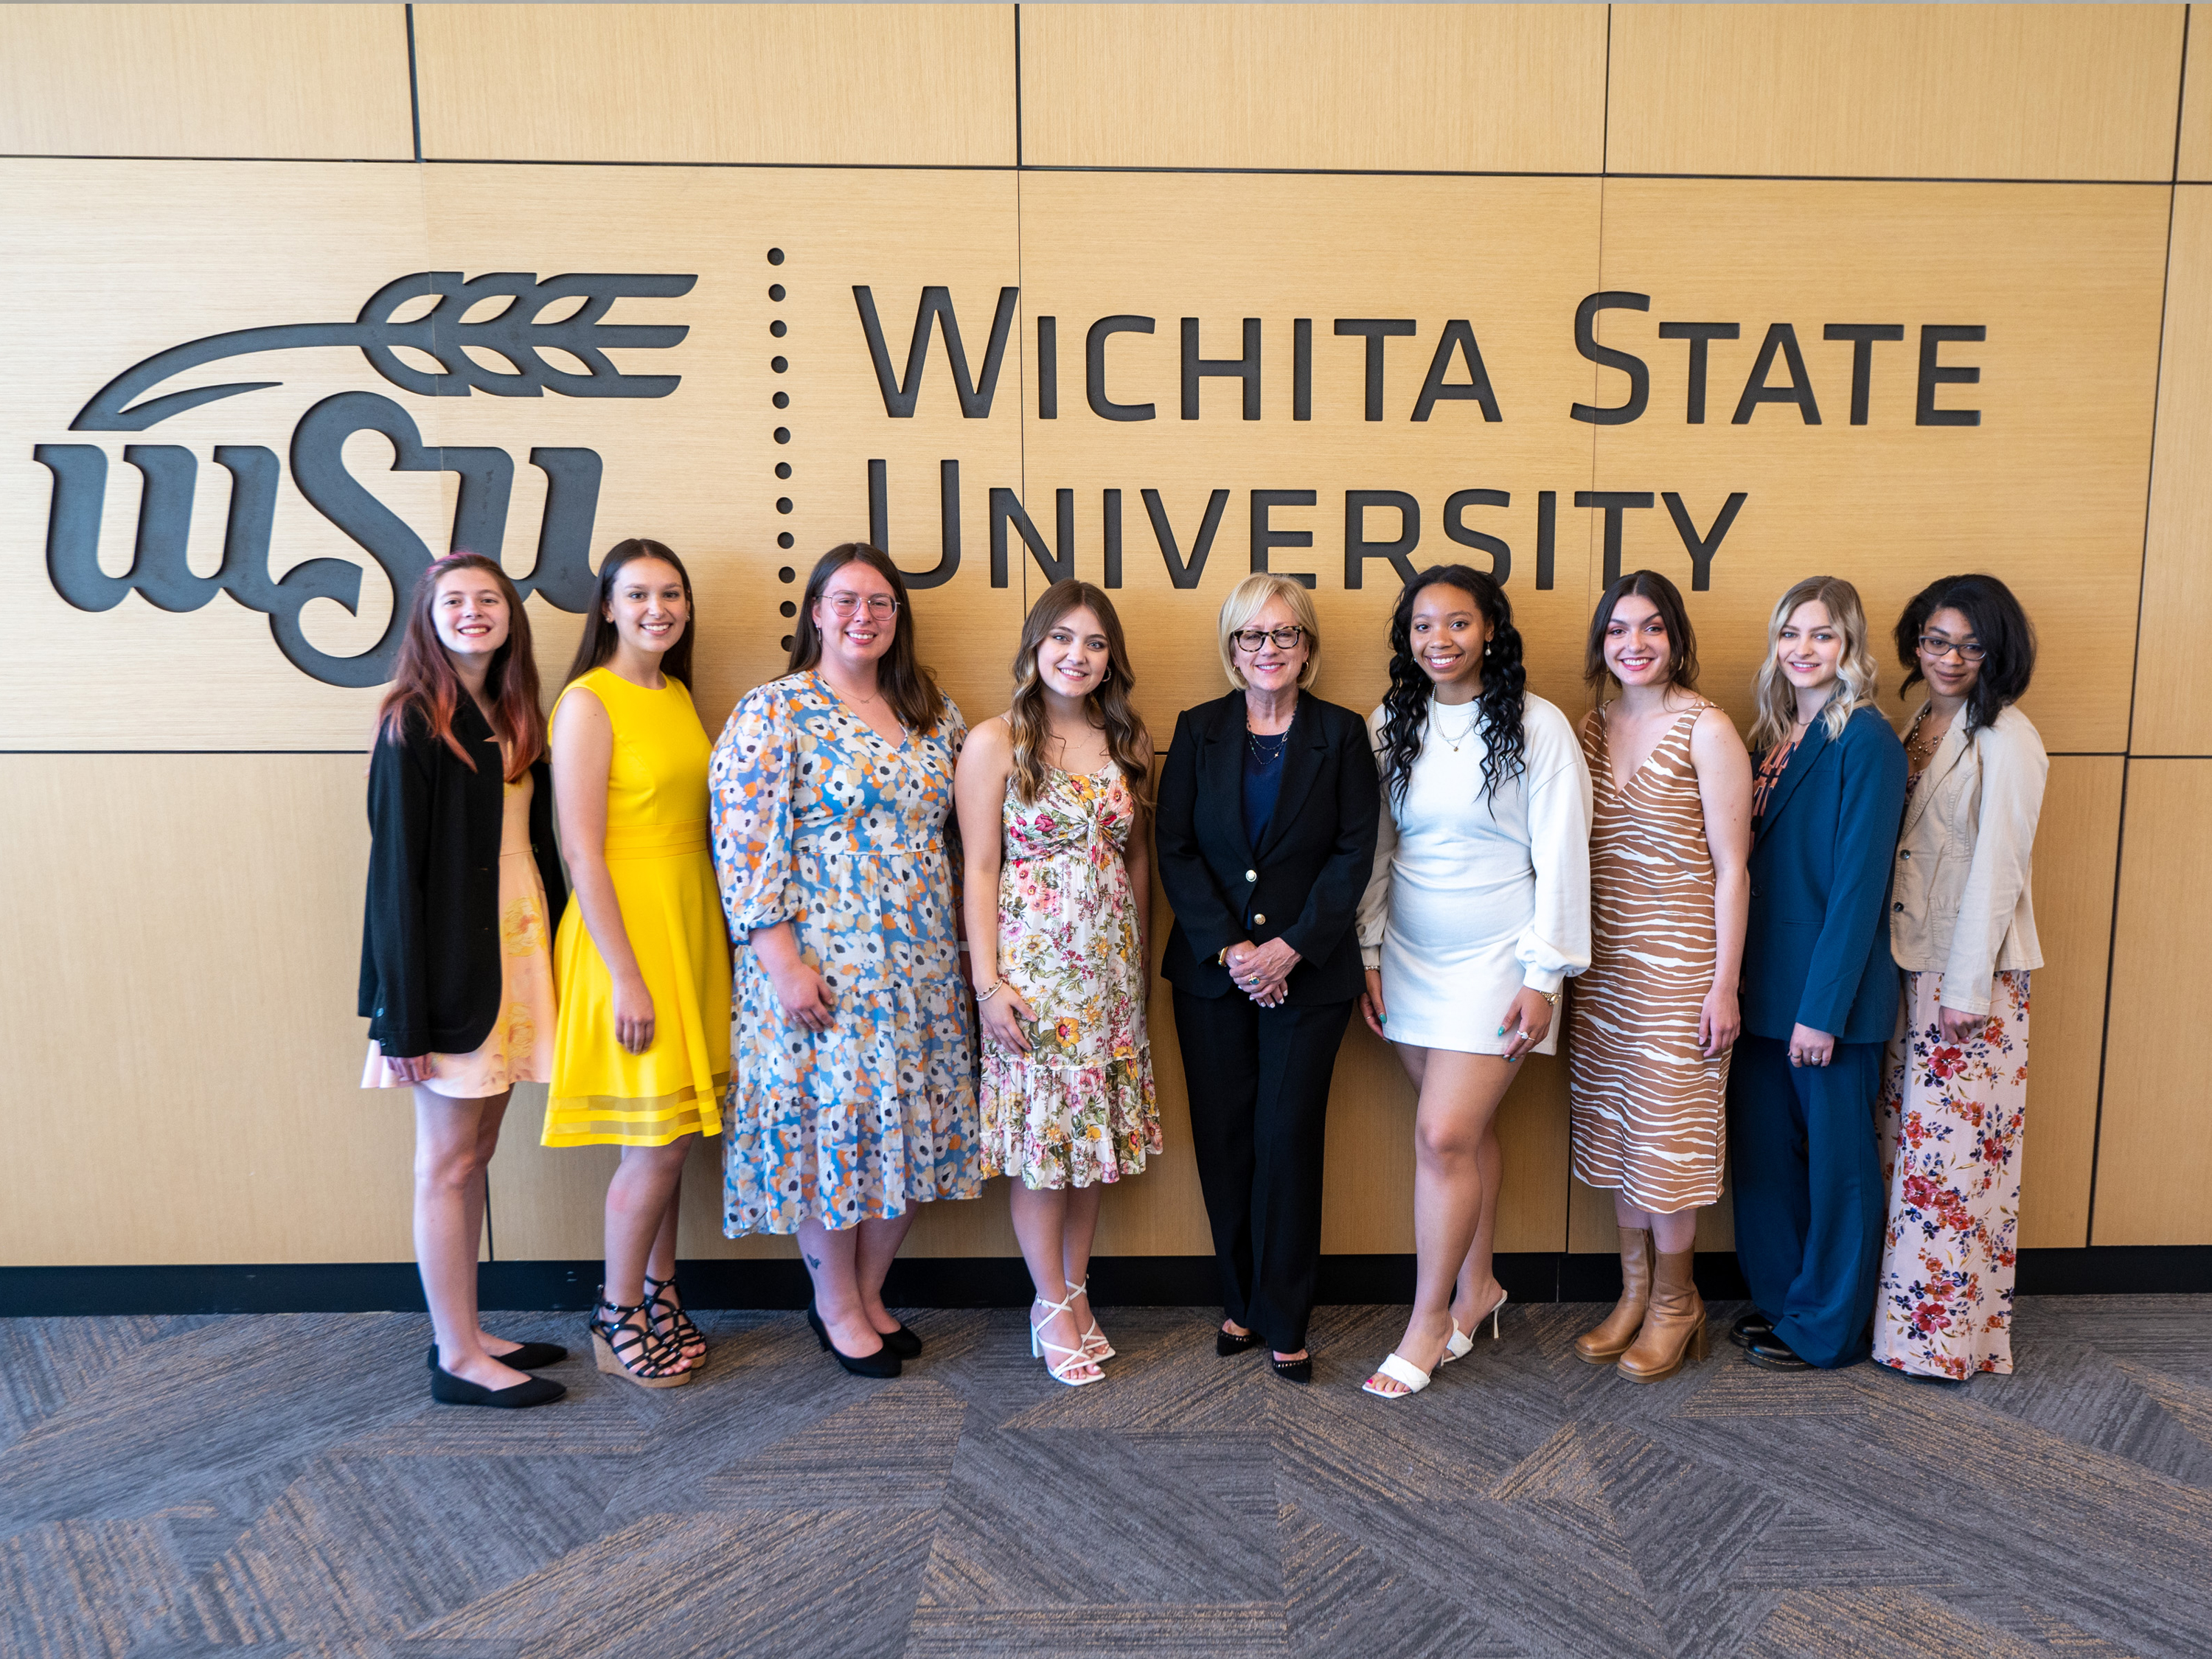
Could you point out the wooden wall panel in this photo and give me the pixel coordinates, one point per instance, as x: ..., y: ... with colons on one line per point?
x: 185, y: 1062
x: 289, y: 81
x: 2048, y: 488
x: 2174, y: 681
x: 1915, y: 91
x: 2193, y: 158
x: 1513, y: 88
x: 918, y: 85
x: 2154, y: 1156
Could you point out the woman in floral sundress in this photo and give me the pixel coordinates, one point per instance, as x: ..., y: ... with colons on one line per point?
x: 1055, y: 797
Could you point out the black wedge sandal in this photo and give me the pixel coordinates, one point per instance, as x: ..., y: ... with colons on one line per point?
x: 636, y: 1355
x: 672, y: 1322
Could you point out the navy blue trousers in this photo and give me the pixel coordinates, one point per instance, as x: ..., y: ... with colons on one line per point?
x: 1809, y: 1192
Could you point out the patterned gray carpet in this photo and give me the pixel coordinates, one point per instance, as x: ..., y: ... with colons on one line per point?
x: 282, y: 1484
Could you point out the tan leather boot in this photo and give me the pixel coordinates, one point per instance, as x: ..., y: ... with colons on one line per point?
x: 1611, y: 1340
x: 1673, y: 1330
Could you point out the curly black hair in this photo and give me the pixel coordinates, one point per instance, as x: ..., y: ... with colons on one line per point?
x: 1504, y: 684
x: 2000, y: 626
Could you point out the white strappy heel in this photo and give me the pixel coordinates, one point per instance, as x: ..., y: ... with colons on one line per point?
x: 1076, y: 1356
x: 1397, y: 1370
x: 1094, y: 1341
x: 1463, y: 1341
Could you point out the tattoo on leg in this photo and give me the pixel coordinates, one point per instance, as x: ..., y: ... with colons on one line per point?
x: 812, y: 1260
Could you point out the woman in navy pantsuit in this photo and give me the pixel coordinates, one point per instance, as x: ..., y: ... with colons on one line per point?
x: 1820, y: 986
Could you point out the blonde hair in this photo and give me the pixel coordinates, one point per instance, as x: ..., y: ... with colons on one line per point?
x: 1246, y: 600
x: 1857, y: 675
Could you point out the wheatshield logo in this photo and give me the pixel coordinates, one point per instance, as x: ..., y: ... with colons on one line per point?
x: 159, y: 571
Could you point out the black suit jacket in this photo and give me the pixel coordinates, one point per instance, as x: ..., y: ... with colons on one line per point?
x: 1301, y: 884
x: 429, y: 945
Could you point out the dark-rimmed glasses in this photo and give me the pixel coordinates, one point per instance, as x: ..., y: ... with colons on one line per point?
x: 1936, y: 647
x: 1251, y: 639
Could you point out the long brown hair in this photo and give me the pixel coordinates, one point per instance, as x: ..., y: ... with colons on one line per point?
x: 424, y: 683
x: 1667, y: 599
x: 599, y: 638
x: 1109, y: 706
x: 911, y: 688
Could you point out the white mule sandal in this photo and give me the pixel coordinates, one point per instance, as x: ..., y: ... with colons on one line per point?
x: 1398, y: 1370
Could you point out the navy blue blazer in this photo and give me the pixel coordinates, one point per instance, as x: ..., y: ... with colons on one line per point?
x: 1817, y: 950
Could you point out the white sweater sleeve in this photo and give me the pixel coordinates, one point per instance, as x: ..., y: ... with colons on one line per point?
x: 1374, y: 902
x: 1556, y: 944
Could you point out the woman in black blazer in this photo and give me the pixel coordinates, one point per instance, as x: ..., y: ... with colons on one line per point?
x: 1265, y: 836
x: 456, y: 974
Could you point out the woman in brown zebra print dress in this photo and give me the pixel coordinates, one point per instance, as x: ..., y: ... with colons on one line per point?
x: 1651, y: 1022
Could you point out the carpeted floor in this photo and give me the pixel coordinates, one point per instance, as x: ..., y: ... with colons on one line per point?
x: 284, y: 1483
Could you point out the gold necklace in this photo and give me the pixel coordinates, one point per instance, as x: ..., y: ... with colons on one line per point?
x: 1466, y: 731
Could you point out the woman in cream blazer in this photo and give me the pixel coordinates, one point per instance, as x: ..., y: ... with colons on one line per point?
x: 1962, y: 928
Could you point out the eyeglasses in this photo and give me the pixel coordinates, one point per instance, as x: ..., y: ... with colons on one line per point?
x: 1251, y: 639
x: 1936, y: 647
x: 844, y: 604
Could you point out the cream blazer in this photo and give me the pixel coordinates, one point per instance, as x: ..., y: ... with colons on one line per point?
x: 1958, y: 895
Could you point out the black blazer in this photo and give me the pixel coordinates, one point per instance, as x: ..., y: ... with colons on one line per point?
x: 429, y: 944
x: 1301, y: 884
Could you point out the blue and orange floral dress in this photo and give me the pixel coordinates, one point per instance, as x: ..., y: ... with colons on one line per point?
x: 1079, y: 1106
x: 820, y: 822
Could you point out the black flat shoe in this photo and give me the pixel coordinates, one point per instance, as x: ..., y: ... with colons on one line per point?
x: 450, y: 1390
x: 882, y: 1363
x: 1750, y: 1328
x: 903, y: 1343
x: 530, y: 1357
x: 1293, y: 1371
x: 1770, y: 1353
x: 1225, y: 1345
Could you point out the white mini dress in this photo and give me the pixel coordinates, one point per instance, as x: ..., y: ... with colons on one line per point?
x: 1473, y: 897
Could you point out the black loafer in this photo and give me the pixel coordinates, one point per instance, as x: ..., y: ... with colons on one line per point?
x: 1293, y: 1371
x: 1226, y: 1345
x: 1770, y: 1353
x: 1750, y: 1328
x: 530, y: 1357
x: 903, y: 1343
x: 450, y: 1390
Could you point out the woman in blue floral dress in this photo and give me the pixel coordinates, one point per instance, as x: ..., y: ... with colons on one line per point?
x: 851, y: 1095
x: 1054, y: 795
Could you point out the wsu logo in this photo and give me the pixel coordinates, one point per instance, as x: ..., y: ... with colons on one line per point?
x: 159, y: 571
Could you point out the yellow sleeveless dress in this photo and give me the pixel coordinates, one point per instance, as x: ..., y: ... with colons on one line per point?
x: 671, y: 908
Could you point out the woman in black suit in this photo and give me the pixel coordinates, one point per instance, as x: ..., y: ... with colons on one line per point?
x: 1266, y: 837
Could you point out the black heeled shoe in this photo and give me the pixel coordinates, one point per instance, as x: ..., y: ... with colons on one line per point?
x: 1226, y: 1345
x: 530, y: 1357
x: 635, y: 1354
x: 1293, y: 1371
x: 450, y: 1390
x: 671, y: 1321
x: 881, y: 1364
x: 903, y: 1343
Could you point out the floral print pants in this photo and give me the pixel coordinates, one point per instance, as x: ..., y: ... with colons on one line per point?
x: 1949, y: 1123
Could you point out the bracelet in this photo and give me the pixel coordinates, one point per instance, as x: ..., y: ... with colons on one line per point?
x: 982, y: 997
x: 1551, y: 997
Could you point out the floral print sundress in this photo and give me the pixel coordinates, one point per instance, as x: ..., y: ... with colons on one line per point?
x: 1079, y: 1107
x: 820, y: 822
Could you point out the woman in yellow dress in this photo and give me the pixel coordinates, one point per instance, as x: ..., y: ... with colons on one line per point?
x: 642, y: 961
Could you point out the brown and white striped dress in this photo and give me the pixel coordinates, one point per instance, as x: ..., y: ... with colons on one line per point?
x: 1646, y: 1114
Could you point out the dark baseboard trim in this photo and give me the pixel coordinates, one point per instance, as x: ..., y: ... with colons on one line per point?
x: 954, y: 1282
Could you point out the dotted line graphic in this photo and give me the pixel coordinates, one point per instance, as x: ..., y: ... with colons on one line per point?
x: 777, y: 329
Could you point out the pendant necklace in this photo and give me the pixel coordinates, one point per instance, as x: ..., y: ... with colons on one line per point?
x: 1466, y: 731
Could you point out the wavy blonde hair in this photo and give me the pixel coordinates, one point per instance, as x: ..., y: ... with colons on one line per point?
x: 1858, y: 676
x: 1110, y: 708
x: 1246, y: 600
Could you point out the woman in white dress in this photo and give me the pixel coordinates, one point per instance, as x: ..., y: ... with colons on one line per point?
x: 1477, y: 913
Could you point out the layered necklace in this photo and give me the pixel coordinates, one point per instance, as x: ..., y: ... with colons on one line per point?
x: 1453, y: 741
